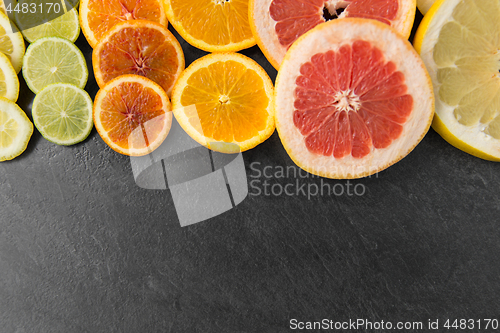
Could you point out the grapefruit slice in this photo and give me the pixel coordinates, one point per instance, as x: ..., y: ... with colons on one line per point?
x: 352, y: 98
x: 224, y: 102
x: 276, y: 24
x: 132, y: 114
x: 97, y: 16
x: 142, y: 48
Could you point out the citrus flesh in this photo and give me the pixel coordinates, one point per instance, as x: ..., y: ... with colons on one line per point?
x: 15, y: 130
x: 424, y: 5
x: 97, y: 16
x: 51, y: 60
x: 212, y: 25
x: 132, y: 114
x: 224, y: 102
x: 9, y: 83
x: 276, y: 24
x: 142, y: 48
x: 352, y: 98
x: 62, y: 113
x: 459, y: 42
x: 61, y: 21
x: 11, y: 42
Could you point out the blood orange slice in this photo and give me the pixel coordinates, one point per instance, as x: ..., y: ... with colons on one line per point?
x: 132, y: 114
x: 142, y: 48
x: 276, y: 24
x: 352, y: 98
x: 98, y: 16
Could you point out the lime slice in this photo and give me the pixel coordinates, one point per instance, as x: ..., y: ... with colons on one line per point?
x: 48, y: 19
x: 459, y: 42
x: 51, y: 60
x: 9, y: 83
x: 63, y: 113
x: 11, y: 42
x: 15, y: 130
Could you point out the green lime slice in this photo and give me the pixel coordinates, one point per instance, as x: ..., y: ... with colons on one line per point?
x: 15, y: 130
x: 47, y: 19
x: 52, y: 60
x: 62, y: 113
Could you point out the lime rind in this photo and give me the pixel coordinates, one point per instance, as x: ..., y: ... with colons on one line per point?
x: 9, y: 83
x: 58, y: 99
x: 35, y: 26
x: 54, y: 60
x: 62, y: 113
x: 15, y: 130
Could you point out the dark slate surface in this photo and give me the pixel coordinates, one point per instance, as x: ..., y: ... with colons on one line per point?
x: 83, y: 249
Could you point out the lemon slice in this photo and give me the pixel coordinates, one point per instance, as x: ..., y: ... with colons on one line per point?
x: 11, y: 42
x: 52, y: 60
x: 60, y: 21
x: 7, y: 6
x: 15, y: 130
x: 62, y: 113
x: 459, y: 42
x: 9, y: 83
x: 424, y: 5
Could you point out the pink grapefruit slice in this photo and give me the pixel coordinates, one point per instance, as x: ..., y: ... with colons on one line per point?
x: 276, y: 24
x: 352, y: 98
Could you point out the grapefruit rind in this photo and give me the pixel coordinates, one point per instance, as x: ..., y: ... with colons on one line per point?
x: 263, y: 27
x: 96, y: 61
x: 468, y: 139
x: 330, y: 36
x: 101, y: 94
x: 179, y: 109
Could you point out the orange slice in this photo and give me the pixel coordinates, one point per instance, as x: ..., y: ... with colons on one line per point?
x: 97, y: 16
x: 132, y: 115
x: 212, y: 25
x: 142, y: 48
x: 276, y: 24
x: 225, y: 98
x: 352, y: 98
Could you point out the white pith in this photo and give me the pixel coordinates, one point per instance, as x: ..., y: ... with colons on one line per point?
x: 471, y: 135
x: 331, y: 36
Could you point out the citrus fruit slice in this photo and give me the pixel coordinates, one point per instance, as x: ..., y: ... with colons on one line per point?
x: 43, y: 19
x: 142, y: 48
x: 276, y: 24
x: 52, y: 60
x: 97, y: 16
x: 9, y: 83
x: 62, y: 113
x: 424, y: 5
x: 352, y: 98
x: 459, y: 42
x: 212, y: 25
x: 225, y: 98
x: 7, y: 6
x: 15, y: 130
x: 11, y: 42
x: 132, y: 114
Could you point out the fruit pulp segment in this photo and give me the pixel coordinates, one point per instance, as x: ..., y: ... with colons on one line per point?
x: 3, y: 84
x: 141, y: 51
x: 294, y: 18
x: 106, y: 14
x: 214, y: 22
x: 128, y: 106
x: 230, y: 102
x: 63, y: 114
x: 8, y: 130
x: 6, y: 46
x: 351, y: 101
x: 468, y: 59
